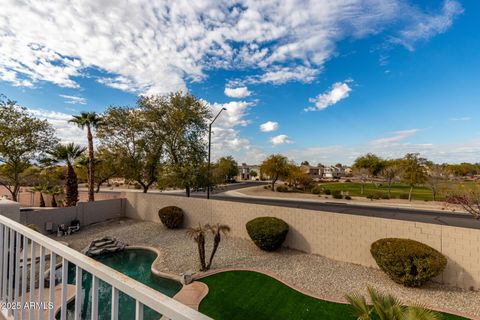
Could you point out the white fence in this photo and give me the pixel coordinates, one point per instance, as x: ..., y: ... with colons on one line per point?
x: 23, y: 271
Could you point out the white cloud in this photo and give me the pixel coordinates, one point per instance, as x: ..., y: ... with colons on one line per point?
x: 269, y: 126
x: 280, y: 139
x: 338, y: 91
x: 425, y: 26
x: 395, y: 137
x: 158, y: 46
x: 65, y: 131
x: 461, y: 119
x: 240, y: 92
x: 73, y: 99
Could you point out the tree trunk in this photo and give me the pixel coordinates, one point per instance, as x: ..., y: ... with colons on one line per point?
x: 273, y: 185
x: 187, y: 190
x: 145, y: 188
x: 389, y: 189
x: 54, y: 201
x: 216, y: 242
x: 91, y: 166
x: 410, y: 193
x: 201, y: 251
x: 42, y: 201
x: 71, y: 187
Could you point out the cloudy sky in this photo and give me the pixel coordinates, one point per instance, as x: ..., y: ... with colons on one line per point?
x: 323, y: 81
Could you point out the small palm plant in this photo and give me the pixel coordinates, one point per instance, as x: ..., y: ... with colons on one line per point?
x: 217, y: 230
x: 54, y: 191
x: 387, y: 307
x: 198, y: 235
x: 41, y: 188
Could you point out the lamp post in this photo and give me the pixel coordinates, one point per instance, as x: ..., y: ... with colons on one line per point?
x: 209, y: 149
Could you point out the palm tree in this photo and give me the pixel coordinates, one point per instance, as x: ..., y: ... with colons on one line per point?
x: 69, y: 153
x: 387, y: 307
x: 217, y: 230
x: 198, y: 235
x: 42, y: 188
x: 54, y: 191
x: 89, y: 120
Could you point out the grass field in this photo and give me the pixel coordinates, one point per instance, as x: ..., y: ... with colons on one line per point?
x: 354, y: 189
x: 239, y: 295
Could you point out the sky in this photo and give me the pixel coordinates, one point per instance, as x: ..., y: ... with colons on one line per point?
x: 322, y: 81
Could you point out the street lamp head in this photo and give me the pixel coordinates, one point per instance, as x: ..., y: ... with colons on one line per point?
x: 224, y: 108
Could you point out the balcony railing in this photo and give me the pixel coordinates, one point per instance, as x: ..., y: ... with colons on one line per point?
x: 24, y: 270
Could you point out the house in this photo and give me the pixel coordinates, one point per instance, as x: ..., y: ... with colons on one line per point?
x: 333, y: 172
x: 245, y: 172
x: 314, y: 172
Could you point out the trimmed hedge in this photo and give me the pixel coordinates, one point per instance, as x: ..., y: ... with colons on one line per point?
x: 268, y: 233
x: 171, y: 217
x: 406, y: 261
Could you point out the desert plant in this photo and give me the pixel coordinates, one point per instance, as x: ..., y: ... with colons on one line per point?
x: 406, y: 261
x: 387, y: 307
x: 317, y: 189
x: 198, y: 235
x: 403, y: 196
x: 171, y: 216
x: 268, y: 233
x: 217, y: 230
x: 327, y: 192
x: 337, y: 194
x: 281, y: 188
x: 348, y: 198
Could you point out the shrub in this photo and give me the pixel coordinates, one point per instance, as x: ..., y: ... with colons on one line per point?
x: 265, y: 187
x: 385, y: 196
x: 268, y: 233
x: 348, y: 198
x: 348, y: 180
x: 403, y: 196
x: 337, y: 194
x: 327, y: 192
x: 406, y: 261
x: 281, y: 188
x: 171, y: 216
x: 317, y: 189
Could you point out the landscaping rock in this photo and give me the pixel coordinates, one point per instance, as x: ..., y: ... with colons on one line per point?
x: 104, y: 245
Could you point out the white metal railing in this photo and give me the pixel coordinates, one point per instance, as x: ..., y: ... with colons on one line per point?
x: 19, y: 286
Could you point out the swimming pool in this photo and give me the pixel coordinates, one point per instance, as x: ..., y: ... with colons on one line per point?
x: 135, y: 263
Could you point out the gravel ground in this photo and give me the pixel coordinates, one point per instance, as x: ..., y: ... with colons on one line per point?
x: 312, y: 273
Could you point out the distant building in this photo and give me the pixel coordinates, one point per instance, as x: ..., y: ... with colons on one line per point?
x: 315, y: 173
x: 245, y: 170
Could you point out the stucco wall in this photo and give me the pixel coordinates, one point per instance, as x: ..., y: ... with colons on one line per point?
x: 337, y: 236
x: 10, y: 209
x: 86, y: 212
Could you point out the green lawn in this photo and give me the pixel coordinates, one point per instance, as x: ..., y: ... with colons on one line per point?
x: 244, y: 295
x: 354, y: 189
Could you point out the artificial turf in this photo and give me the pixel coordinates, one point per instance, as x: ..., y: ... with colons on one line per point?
x: 245, y: 295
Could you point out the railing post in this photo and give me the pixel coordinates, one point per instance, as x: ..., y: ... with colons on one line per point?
x: 24, y: 276
x: 51, y: 298
x: 63, y: 315
x: 11, y: 272
x: 41, y: 283
x: 4, y: 258
x: 32, y: 277
x: 78, y: 293
x: 94, y: 297
x: 114, y: 303
x: 16, y: 294
x: 2, y: 227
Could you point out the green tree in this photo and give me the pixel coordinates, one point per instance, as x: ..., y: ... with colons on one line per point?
x: 390, y: 173
x: 372, y: 163
x: 107, y: 166
x: 413, y: 171
x: 89, y: 120
x: 253, y: 173
x: 435, y: 178
x: 305, y: 163
x: 296, y: 176
x: 226, y: 168
x: 180, y: 121
x: 275, y: 167
x: 68, y: 154
x: 23, y: 138
x: 126, y: 133
x: 54, y: 191
x: 41, y: 188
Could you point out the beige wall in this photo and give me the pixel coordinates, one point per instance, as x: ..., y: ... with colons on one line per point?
x: 337, y: 236
x: 86, y: 212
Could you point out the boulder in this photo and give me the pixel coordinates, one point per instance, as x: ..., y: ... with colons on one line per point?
x: 104, y: 245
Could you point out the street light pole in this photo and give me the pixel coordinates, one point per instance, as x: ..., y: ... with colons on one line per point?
x: 209, y: 150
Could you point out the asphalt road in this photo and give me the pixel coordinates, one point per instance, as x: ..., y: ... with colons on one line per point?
x: 434, y: 217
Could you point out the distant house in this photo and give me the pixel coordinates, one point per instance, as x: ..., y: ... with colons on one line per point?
x: 245, y: 170
x: 314, y: 172
x: 333, y: 172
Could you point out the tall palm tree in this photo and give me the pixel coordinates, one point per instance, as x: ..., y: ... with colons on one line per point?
x: 89, y: 120
x: 68, y: 153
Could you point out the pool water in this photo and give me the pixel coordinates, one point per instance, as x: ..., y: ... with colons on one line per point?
x: 135, y: 263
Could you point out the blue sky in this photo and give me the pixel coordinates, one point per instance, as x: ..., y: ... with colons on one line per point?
x: 319, y: 81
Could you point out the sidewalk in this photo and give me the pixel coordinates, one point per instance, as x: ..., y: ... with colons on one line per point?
x: 309, y: 198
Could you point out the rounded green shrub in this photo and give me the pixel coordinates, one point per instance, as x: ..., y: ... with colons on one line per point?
x: 317, y: 189
x: 406, y: 261
x: 327, y: 191
x: 171, y: 216
x: 268, y: 233
x: 337, y: 194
